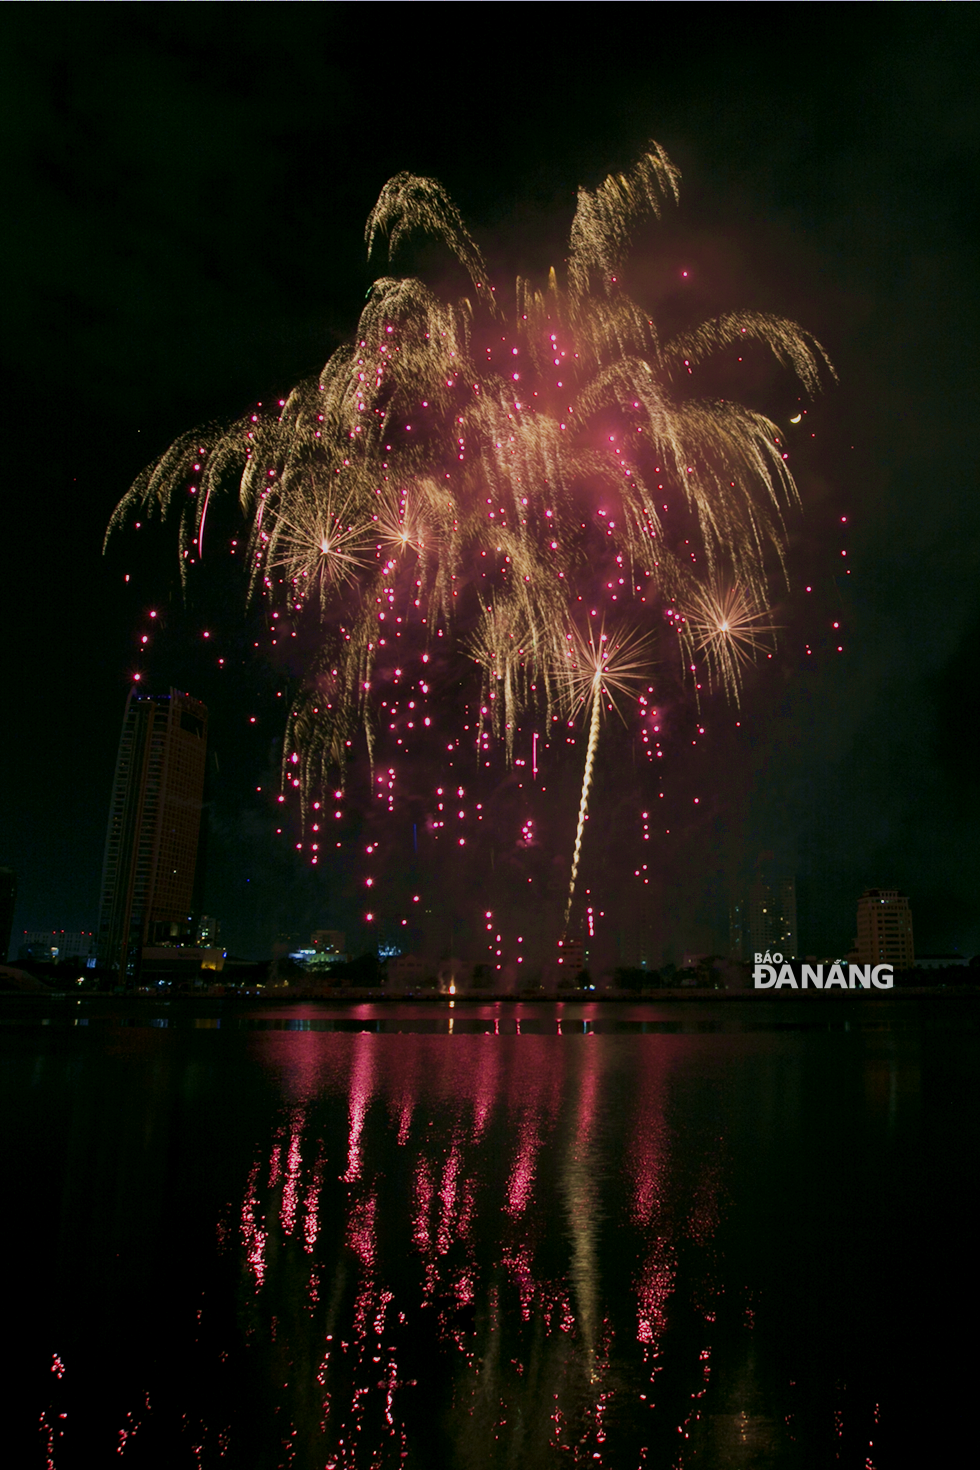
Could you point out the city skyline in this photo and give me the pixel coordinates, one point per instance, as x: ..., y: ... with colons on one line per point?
x: 853, y: 766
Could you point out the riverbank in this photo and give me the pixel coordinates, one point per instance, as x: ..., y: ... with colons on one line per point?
x: 379, y: 995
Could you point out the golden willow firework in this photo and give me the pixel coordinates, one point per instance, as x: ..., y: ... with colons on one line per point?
x: 482, y: 472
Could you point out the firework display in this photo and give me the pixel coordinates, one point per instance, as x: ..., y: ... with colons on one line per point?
x: 524, y: 491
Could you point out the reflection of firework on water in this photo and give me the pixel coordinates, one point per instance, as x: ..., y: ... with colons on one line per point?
x: 729, y: 629
x: 598, y: 670
x: 427, y: 1285
x: 470, y: 471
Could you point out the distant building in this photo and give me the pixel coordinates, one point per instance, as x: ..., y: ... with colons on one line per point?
x: 770, y: 915
x: 571, y: 955
x: 154, y: 831
x: 736, y: 929
x: 8, y: 902
x: 635, y: 943
x: 57, y: 944
x: 42, y: 951
x: 169, y: 963
x: 406, y: 969
x: 208, y: 931
x: 328, y: 941
x: 884, y: 929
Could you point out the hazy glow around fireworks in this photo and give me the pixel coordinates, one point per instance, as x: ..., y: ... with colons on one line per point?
x: 471, y: 470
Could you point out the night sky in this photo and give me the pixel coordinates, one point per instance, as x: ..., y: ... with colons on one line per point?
x: 185, y: 196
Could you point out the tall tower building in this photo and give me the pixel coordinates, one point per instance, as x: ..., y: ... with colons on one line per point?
x: 152, y: 841
x: 737, y: 910
x: 8, y: 901
x: 770, y: 914
x: 884, y: 929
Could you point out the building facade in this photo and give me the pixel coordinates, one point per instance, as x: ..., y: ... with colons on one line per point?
x: 770, y: 917
x: 57, y: 944
x: 884, y: 929
x: 571, y: 955
x: 153, y: 836
x: 8, y: 902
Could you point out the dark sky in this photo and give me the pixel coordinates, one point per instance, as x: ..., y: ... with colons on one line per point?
x: 185, y: 192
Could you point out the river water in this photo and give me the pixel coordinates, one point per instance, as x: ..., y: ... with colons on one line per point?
x: 525, y: 1235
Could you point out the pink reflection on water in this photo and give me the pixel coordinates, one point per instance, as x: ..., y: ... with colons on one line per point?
x: 485, y: 1088
x: 391, y: 1385
x: 403, y: 1092
x: 653, y: 1288
x: 275, y: 1163
x: 385, y: 1300
x: 253, y: 1236
x: 422, y: 1191
x: 648, y: 1149
x: 518, y: 1264
x: 585, y: 1112
x: 467, y: 1210
x: 447, y: 1195
x: 311, y: 1214
x: 361, y: 1088
x: 521, y: 1179
x: 515, y: 1146
x: 290, y: 1188
x: 648, y: 1163
x: 534, y: 1099
x: 361, y: 1229
x: 567, y: 1319
x: 706, y: 1210
x: 463, y: 1288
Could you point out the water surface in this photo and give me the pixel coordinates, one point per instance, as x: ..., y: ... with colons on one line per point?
x: 699, y: 1234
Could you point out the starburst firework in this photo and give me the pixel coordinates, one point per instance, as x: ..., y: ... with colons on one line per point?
x: 313, y: 545
x: 730, y: 630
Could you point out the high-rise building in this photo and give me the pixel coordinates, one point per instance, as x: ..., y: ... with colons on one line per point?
x: 8, y: 901
x: 208, y: 928
x: 736, y: 928
x: 151, y: 850
x: 770, y: 914
x: 884, y: 929
x: 571, y: 955
x: 635, y: 942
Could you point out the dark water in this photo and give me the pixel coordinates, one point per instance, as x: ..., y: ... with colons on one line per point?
x: 699, y: 1234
